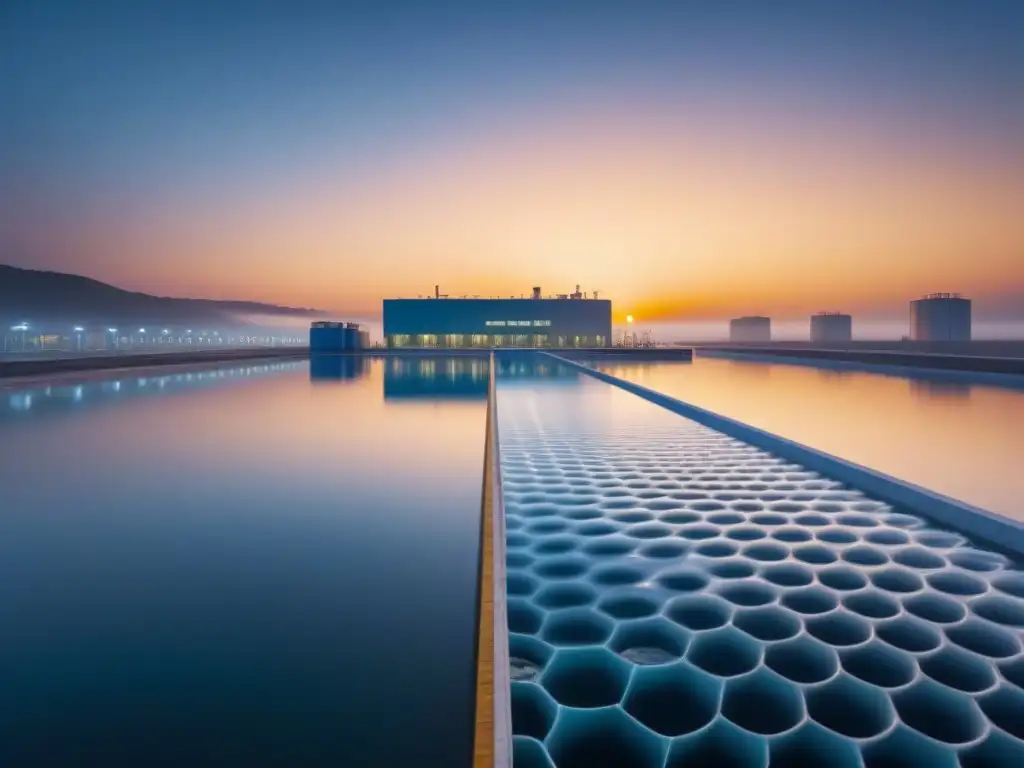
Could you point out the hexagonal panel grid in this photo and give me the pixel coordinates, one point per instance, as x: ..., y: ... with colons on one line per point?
x: 677, y: 597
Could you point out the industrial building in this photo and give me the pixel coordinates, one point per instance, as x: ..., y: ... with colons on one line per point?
x: 565, y: 320
x: 325, y: 336
x: 750, y: 329
x: 831, y: 327
x: 940, y: 317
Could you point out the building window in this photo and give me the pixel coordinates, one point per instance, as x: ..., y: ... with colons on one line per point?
x: 540, y: 340
x: 499, y: 340
x: 399, y: 340
x: 479, y: 340
x: 599, y: 341
x: 426, y: 340
x: 454, y: 340
x: 521, y: 340
x: 561, y: 341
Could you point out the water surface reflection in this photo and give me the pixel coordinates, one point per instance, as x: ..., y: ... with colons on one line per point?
x: 236, y: 567
x: 949, y: 434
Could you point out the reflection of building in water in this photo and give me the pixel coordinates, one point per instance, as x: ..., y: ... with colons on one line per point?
x: 65, y: 397
x: 952, y: 390
x: 451, y: 378
x: 518, y: 368
x: 338, y: 367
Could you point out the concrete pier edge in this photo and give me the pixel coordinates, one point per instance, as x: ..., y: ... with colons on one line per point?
x: 502, y: 681
x: 493, y: 706
x: 891, y: 359
x: 995, y: 530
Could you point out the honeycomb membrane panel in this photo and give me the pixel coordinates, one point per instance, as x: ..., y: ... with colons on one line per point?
x: 677, y: 597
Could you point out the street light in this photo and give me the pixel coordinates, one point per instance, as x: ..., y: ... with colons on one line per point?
x: 22, y: 328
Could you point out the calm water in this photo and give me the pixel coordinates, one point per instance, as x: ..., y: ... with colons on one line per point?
x: 241, y: 566
x: 957, y: 438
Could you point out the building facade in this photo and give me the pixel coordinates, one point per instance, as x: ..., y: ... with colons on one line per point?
x: 489, y: 323
x: 940, y: 317
x: 831, y: 327
x: 750, y: 329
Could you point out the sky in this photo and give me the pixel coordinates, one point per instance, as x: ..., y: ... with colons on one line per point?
x: 691, y: 161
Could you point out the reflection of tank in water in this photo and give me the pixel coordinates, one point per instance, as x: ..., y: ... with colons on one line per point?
x: 338, y: 367
x: 936, y: 389
x: 436, y: 378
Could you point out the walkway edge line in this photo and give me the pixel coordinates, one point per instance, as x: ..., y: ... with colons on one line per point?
x: 998, y: 531
x: 502, y: 676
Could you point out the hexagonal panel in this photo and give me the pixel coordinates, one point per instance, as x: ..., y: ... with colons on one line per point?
x: 879, y: 664
x: 850, y: 707
x: 533, y: 710
x: 771, y: 622
x: 630, y: 603
x: 762, y: 702
x: 523, y: 617
x: 959, y: 669
x: 724, y: 652
x: 604, y: 738
x: 674, y: 699
x: 529, y: 753
x: 697, y: 612
x: 788, y: 574
x: 576, y: 626
x: 811, y: 744
x: 748, y: 592
x: 723, y: 745
x: 810, y: 600
x: 802, y: 660
x: 586, y: 677
x: 907, y: 748
x: 649, y: 641
x: 943, y: 714
x: 565, y: 595
x: 527, y: 657
x: 1005, y: 708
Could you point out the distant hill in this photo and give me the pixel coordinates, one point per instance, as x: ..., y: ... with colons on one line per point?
x: 52, y: 297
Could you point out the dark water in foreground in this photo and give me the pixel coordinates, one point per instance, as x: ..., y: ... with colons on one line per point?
x: 242, y: 567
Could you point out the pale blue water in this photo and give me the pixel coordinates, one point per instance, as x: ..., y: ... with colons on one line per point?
x: 238, y: 567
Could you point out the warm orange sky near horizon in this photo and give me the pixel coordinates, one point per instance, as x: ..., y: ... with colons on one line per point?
x: 689, y: 163
x: 682, y: 221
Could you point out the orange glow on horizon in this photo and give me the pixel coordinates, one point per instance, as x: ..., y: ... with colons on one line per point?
x: 678, y: 219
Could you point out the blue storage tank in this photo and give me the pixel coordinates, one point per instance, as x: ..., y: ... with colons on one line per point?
x: 326, y: 336
x: 351, y: 336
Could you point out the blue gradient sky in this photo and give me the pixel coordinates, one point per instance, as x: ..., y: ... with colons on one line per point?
x: 690, y: 159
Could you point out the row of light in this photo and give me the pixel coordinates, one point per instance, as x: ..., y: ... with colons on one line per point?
x: 80, y: 329
x: 21, y: 327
